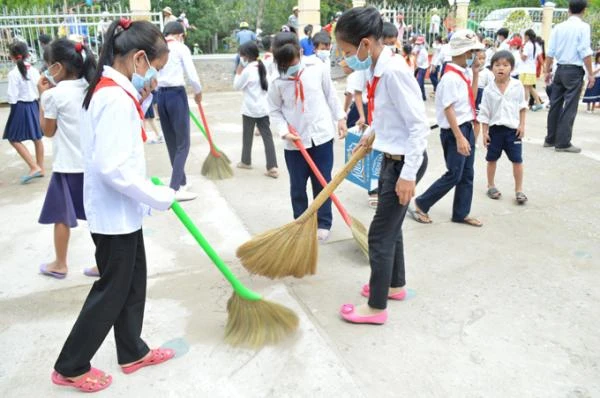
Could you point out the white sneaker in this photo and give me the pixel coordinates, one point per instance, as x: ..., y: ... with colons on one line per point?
x: 185, y: 187
x: 322, y: 235
x: 182, y: 196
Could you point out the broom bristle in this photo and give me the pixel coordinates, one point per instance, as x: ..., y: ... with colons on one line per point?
x: 361, y: 236
x: 291, y: 250
x: 256, y: 323
x: 216, y: 168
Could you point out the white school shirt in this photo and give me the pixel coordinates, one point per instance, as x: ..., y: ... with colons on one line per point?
x: 20, y: 89
x: 445, y: 53
x: 116, y: 192
x: 321, y: 106
x: 518, y: 69
x: 497, y: 109
x: 180, y: 63
x: 452, y: 90
x: 489, y: 53
x: 255, y: 98
x: 313, y: 59
x: 422, y: 58
x: 528, y: 65
x: 504, y: 46
x: 435, y: 59
x: 399, y: 120
x: 485, y: 77
x: 63, y: 104
x: 356, y: 81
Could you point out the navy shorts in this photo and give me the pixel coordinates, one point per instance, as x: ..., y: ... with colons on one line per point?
x: 478, y: 99
x: 504, y: 139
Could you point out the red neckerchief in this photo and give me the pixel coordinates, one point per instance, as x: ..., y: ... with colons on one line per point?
x: 450, y: 68
x: 299, y: 88
x: 108, y: 82
x: 371, y: 87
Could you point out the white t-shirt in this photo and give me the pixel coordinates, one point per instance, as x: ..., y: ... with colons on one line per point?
x: 518, y: 63
x: 357, y: 81
x: 497, y: 109
x: 255, y: 98
x: 528, y: 65
x: 63, y: 103
x: 422, y: 58
x: 489, y: 53
x: 434, y: 25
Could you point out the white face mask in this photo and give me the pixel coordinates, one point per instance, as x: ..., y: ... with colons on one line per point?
x: 323, y: 55
x: 243, y: 62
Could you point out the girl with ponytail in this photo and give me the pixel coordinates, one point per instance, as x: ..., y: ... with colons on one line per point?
x: 62, y: 88
x: 251, y: 78
x: 23, y: 122
x: 117, y: 195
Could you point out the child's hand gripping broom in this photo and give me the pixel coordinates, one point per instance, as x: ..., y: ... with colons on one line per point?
x: 216, y: 166
x: 252, y: 321
x: 292, y: 250
x: 359, y: 232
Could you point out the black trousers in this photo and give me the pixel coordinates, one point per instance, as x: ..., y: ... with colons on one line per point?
x: 566, y: 90
x: 264, y: 127
x: 116, y: 300
x: 386, y: 246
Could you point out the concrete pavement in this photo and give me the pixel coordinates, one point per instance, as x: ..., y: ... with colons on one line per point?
x: 508, y: 310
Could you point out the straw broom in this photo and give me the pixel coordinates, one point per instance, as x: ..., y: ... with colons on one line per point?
x: 201, y: 128
x: 252, y: 321
x: 359, y: 232
x: 216, y: 166
x: 292, y: 250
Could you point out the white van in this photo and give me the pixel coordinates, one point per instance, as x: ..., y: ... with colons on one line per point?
x: 495, y: 19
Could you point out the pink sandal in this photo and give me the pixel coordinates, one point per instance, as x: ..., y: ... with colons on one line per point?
x: 348, y: 314
x: 88, y: 382
x: 401, y: 295
x: 157, y: 356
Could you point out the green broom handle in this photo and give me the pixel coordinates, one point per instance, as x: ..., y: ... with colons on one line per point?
x: 213, y: 149
x: 239, y: 288
x: 199, y: 125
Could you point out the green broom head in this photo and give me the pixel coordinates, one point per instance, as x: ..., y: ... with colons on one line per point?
x: 217, y: 167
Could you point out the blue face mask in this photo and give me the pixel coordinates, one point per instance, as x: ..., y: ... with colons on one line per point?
x: 292, y: 70
x: 471, y: 60
x: 356, y: 64
x: 140, y: 82
x: 323, y: 55
x: 48, y: 76
x: 243, y: 62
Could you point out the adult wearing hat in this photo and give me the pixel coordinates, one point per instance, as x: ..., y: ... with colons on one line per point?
x: 168, y: 15
x: 293, y: 18
x: 244, y: 35
x: 434, y: 24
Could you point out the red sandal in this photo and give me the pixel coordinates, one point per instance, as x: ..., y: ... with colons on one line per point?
x: 88, y: 382
x: 157, y: 356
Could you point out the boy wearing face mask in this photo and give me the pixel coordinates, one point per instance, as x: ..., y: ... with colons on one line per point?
x: 455, y: 111
x: 173, y: 107
x: 322, y: 45
x: 390, y: 37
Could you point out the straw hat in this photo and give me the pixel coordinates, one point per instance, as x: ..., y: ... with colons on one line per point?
x: 464, y: 40
x: 167, y: 10
x: 243, y: 24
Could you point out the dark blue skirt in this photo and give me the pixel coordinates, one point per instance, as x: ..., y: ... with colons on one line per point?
x: 64, y: 200
x: 592, y: 94
x: 23, y: 122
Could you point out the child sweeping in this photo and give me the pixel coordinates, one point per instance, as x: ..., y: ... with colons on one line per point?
x: 397, y: 117
x: 251, y: 77
x: 304, y: 97
x: 117, y: 195
x: 71, y: 66
x: 502, y: 114
x: 23, y: 122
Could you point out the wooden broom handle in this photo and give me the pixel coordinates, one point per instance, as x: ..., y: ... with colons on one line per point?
x: 360, y: 153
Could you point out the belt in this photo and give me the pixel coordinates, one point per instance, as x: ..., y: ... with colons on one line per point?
x: 172, y: 88
x: 394, y: 157
x: 570, y: 66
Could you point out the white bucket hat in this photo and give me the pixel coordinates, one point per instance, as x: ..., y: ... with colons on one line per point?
x: 464, y: 40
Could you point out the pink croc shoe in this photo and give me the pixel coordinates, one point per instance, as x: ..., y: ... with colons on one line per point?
x: 348, y: 314
x: 401, y: 295
x: 89, y: 382
x: 157, y: 355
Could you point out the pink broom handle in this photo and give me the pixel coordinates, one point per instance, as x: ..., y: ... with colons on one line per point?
x: 214, y: 152
x: 319, y: 176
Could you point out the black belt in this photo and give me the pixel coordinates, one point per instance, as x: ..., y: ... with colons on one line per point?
x: 570, y: 66
x: 394, y: 157
x: 175, y: 88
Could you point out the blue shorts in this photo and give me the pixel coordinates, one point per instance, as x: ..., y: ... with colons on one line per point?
x: 478, y: 99
x: 504, y: 139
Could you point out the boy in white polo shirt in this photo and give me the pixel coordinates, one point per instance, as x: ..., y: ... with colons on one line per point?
x: 502, y: 115
x: 455, y: 111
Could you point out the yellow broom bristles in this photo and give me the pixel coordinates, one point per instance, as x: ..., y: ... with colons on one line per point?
x: 361, y: 235
x: 217, y: 168
x: 291, y: 250
x: 256, y: 323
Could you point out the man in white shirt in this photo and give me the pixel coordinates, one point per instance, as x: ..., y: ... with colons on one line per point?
x: 434, y: 24
x: 422, y: 63
x: 570, y: 46
x: 293, y: 18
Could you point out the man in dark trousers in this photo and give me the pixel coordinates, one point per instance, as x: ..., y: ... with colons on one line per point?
x: 570, y: 46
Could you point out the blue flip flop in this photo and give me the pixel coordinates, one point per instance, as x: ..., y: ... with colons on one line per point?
x: 27, y: 178
x: 57, y: 275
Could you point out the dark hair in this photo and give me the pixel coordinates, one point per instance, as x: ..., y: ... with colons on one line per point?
x: 285, y: 49
x: 358, y: 23
x: 502, y: 32
x: 250, y: 51
x: 503, y: 54
x: 321, y: 38
x: 530, y: 34
x: 44, y: 39
x: 308, y: 30
x: 266, y: 42
x: 597, y: 56
x: 389, y: 30
x: 173, y: 28
x: 577, y: 6
x: 19, y: 51
x: 123, y: 37
x: 76, y: 58
x: 407, y: 48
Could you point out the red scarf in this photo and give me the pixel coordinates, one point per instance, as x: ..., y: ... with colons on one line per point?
x: 299, y: 89
x: 450, y: 68
x: 371, y: 87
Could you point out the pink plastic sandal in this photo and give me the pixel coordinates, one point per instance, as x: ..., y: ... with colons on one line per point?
x: 157, y: 356
x: 348, y: 314
x: 401, y: 295
x: 89, y: 382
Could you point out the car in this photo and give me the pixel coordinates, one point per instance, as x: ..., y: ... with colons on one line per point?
x: 496, y: 19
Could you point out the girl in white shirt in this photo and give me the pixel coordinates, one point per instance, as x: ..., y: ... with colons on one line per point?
x: 303, y: 96
x: 251, y: 77
x: 23, y: 122
x: 527, y: 75
x: 62, y: 89
x: 117, y: 195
